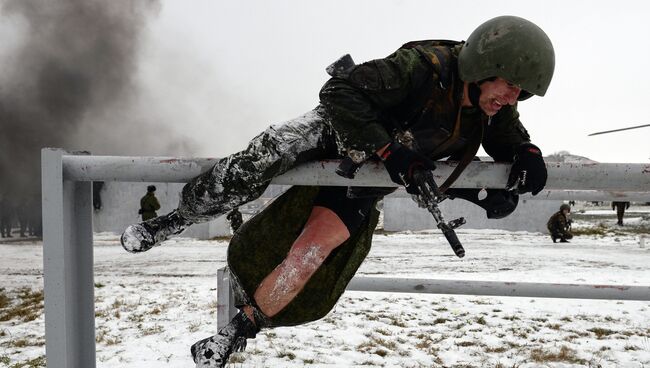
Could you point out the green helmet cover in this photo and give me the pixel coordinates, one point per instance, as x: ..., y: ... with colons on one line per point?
x: 565, y: 207
x: 511, y: 48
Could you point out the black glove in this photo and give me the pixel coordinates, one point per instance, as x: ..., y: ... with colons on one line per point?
x: 498, y: 203
x: 401, y: 162
x: 528, y: 173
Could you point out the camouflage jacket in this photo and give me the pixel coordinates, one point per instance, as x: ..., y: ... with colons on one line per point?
x: 148, y: 206
x: 415, y: 90
x: 558, y: 223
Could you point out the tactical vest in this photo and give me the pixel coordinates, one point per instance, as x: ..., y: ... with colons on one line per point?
x: 431, y: 120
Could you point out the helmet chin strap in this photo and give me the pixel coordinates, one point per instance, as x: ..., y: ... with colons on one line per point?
x: 473, y: 93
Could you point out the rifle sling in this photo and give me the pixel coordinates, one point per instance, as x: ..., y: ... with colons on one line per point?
x: 468, y: 156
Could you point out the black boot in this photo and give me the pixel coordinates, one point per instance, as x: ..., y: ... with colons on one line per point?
x: 554, y: 239
x: 563, y: 240
x: 145, y: 235
x: 214, y: 351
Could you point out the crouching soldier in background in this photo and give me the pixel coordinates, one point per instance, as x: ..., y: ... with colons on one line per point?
x: 149, y: 204
x: 559, y: 225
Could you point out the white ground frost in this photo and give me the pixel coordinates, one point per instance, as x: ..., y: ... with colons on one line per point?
x: 151, y: 307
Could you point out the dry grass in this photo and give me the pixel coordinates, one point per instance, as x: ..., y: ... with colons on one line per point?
x: 599, y: 230
x: 102, y: 337
x: 466, y: 343
x: 565, y: 354
x: 24, y: 343
x: 498, y: 349
x: 4, y: 299
x: 26, y: 306
x: 440, y: 320
x: 153, y: 330
x: 601, y: 332
x: 377, y: 345
x: 32, y: 363
x: 286, y: 354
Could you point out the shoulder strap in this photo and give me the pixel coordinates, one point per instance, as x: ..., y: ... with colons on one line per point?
x: 468, y: 156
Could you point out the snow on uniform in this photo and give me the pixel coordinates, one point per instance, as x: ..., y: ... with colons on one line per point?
x: 415, y: 92
x: 413, y: 95
x: 264, y: 241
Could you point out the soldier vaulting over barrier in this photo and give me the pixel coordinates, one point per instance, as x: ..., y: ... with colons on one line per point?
x: 427, y: 101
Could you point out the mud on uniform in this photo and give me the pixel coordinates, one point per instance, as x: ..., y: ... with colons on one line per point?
x: 413, y: 95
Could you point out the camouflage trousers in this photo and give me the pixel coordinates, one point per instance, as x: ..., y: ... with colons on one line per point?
x: 243, y: 176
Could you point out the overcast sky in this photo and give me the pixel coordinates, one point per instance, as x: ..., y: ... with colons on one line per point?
x: 222, y: 71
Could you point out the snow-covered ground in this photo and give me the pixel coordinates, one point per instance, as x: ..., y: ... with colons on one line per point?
x: 151, y: 307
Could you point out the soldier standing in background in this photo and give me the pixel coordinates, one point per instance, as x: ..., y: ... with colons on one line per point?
x: 620, y: 208
x: 559, y: 225
x: 22, y: 213
x: 6, y: 215
x: 97, y: 197
x: 149, y: 204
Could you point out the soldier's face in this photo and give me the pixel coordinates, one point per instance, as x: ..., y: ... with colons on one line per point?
x: 497, y: 93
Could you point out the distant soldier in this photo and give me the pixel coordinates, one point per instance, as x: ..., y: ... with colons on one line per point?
x: 620, y: 208
x: 6, y: 216
x: 97, y: 197
x: 149, y: 204
x: 22, y: 213
x: 34, y: 216
x: 559, y: 225
x: 235, y: 219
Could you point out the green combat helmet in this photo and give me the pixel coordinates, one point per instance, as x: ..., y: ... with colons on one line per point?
x: 565, y: 206
x: 512, y: 48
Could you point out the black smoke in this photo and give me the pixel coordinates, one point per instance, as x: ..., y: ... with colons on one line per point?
x: 70, y: 82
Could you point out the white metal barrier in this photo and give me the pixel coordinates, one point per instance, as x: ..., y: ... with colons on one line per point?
x: 68, y: 237
x: 226, y: 308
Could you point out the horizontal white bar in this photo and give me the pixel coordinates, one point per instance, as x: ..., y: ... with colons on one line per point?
x: 590, y: 195
x: 576, y: 195
x: 496, y: 288
x: 618, y: 177
x: 134, y: 169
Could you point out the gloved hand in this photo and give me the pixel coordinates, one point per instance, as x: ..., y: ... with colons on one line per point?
x: 401, y: 162
x: 528, y: 173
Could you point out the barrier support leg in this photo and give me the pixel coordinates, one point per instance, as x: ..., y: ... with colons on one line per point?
x: 225, y: 298
x: 67, y: 267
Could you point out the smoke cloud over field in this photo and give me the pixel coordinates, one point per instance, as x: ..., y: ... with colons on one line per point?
x: 67, y: 71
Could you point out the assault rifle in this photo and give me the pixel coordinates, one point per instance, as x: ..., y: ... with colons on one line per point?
x: 429, y: 197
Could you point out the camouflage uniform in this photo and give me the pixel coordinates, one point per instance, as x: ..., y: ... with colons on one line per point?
x: 412, y: 98
x: 235, y: 219
x: 413, y: 95
x: 558, y: 226
x: 148, y: 206
x: 7, y: 212
x: 620, y: 208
